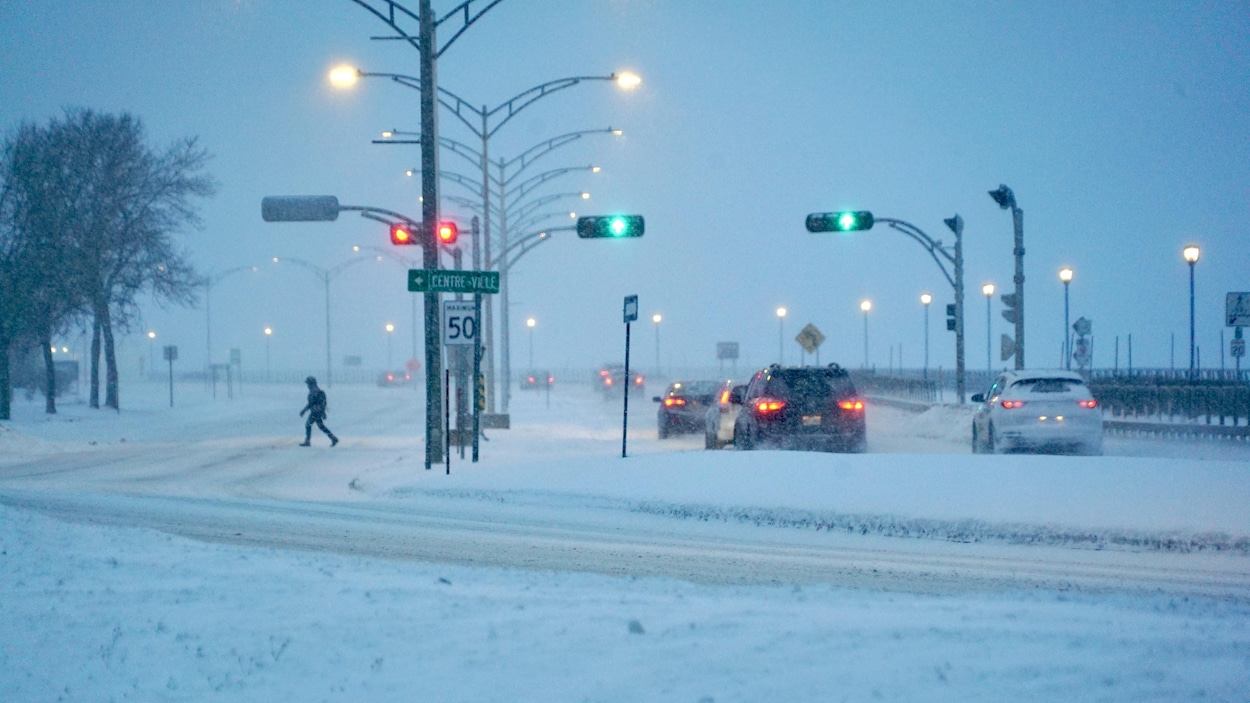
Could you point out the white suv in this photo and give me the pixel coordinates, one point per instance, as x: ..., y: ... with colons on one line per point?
x: 1037, y: 411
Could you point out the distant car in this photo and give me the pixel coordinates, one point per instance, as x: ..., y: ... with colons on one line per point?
x: 801, y: 407
x: 537, y: 380
x: 1037, y: 411
x: 718, y: 421
x: 394, y: 378
x: 683, y: 406
x: 611, y: 379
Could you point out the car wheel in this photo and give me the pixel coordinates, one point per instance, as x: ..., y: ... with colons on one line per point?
x: 742, y: 440
x: 663, y: 429
x: 989, y: 441
x: 976, y: 441
x: 709, y: 441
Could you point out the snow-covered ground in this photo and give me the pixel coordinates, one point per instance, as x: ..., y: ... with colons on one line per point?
x: 196, y: 552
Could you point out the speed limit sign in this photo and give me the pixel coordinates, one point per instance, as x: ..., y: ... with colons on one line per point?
x: 459, y: 322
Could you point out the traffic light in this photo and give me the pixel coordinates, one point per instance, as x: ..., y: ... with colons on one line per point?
x: 848, y: 221
x: 447, y: 232
x: 1012, y: 305
x: 952, y: 321
x: 403, y: 233
x: 610, y: 226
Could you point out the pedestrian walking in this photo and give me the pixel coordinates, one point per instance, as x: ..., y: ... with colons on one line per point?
x: 316, y: 409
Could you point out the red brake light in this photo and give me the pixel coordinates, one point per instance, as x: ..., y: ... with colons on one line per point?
x: 724, y: 397
x: 670, y: 402
x: 765, y: 405
x: 1088, y: 404
x: 551, y: 379
x: 851, y: 405
x: 531, y: 379
x: 603, y: 373
x: 1012, y: 404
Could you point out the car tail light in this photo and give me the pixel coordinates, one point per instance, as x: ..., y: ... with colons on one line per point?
x: 531, y: 379
x: 1012, y: 404
x: 766, y: 405
x: 1088, y: 404
x: 670, y: 402
x: 551, y: 379
x: 851, y: 404
x: 724, y: 397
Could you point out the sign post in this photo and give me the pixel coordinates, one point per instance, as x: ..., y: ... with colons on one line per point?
x: 171, y: 355
x: 631, y: 314
x: 810, y: 338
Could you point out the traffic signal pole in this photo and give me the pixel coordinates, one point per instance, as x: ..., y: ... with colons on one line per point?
x: 429, y: 215
x: 1017, y: 219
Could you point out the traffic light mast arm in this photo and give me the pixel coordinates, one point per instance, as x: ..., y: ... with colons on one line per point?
x: 934, y: 247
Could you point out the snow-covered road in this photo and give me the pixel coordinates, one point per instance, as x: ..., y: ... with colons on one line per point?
x: 917, y: 517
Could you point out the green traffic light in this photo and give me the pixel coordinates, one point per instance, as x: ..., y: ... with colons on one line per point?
x: 618, y: 226
x: 846, y: 221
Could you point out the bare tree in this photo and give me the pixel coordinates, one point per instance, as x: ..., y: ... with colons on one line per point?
x: 108, y: 207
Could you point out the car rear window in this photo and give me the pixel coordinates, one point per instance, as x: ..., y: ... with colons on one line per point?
x: 811, y: 385
x: 1049, y: 385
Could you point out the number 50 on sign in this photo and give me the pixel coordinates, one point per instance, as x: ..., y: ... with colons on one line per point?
x: 459, y: 322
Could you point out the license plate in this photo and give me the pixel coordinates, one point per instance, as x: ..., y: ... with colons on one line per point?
x: 811, y: 419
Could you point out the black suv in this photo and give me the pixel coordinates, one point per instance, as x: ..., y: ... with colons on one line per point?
x: 683, y: 407
x: 803, y: 407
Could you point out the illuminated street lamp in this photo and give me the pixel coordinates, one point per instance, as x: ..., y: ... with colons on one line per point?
x: 531, y: 323
x: 151, y: 339
x: 988, y: 291
x: 1065, y: 275
x: 1191, y: 254
x: 656, y: 319
x: 781, y: 335
x: 925, y: 300
x: 865, y: 305
x: 390, y: 334
x: 268, y: 369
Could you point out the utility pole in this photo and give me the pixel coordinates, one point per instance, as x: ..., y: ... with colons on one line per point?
x: 429, y: 216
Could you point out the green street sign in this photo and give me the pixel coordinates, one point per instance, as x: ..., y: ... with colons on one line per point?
x: 445, y: 281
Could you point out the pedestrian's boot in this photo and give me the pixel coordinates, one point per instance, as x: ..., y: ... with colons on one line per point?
x: 307, y: 442
x: 333, y: 440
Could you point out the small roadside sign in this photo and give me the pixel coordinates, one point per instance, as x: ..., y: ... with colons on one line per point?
x: 441, y: 281
x: 459, y: 322
x: 631, y: 308
x: 810, y: 338
x: 1237, y: 310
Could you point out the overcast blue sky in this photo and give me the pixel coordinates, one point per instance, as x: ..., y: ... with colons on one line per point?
x: 1123, y: 128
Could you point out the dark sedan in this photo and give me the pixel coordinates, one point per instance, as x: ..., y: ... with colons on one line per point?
x: 683, y: 407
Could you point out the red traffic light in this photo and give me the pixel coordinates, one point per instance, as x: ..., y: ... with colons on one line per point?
x: 447, y: 232
x: 402, y: 234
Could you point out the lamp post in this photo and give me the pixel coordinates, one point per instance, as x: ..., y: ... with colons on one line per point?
x: 1065, y: 275
x: 781, y: 335
x: 208, y: 282
x: 325, y: 276
x: 865, y: 305
x: 925, y: 299
x: 1006, y: 200
x: 1191, y: 254
x: 478, y: 121
x: 988, y: 291
x: 390, y: 334
x: 656, y: 318
x: 268, y: 369
x: 151, y: 340
x: 531, y: 323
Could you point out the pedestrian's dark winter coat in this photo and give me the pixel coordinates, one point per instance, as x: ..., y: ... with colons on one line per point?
x: 316, y: 409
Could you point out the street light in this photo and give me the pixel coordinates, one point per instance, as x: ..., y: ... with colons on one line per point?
x: 1065, y: 275
x: 530, y: 323
x: 268, y: 369
x: 925, y: 299
x: 1191, y: 254
x: 325, y: 276
x: 390, y: 334
x: 781, y: 326
x: 988, y: 291
x: 151, y: 339
x: 865, y: 305
x: 656, y: 318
